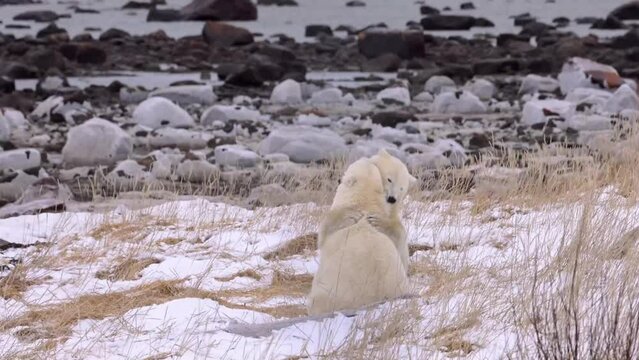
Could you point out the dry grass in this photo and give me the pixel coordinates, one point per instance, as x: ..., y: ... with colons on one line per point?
x: 15, y: 284
x: 127, y: 269
x: 298, y: 246
x: 249, y: 273
x: 54, y: 322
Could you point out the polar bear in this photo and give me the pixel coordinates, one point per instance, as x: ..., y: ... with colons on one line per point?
x: 373, y: 187
x: 358, y: 266
x: 362, y: 243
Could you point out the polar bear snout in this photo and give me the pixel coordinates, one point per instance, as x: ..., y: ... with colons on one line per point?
x: 391, y: 200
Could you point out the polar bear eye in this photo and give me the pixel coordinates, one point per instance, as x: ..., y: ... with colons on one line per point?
x: 389, y: 180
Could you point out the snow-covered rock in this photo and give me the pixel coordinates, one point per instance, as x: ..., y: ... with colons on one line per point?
x: 287, y: 92
x: 458, y: 102
x: 157, y: 112
x: 582, y: 122
x: 367, y: 148
x: 20, y: 159
x: 431, y: 160
x: 199, y: 171
x: 482, y: 88
x: 5, y: 128
x: 303, y: 144
x: 591, y: 96
x: 424, y: 97
x: 13, y: 183
x: 187, y: 94
x: 533, y: 83
x: 438, y: 84
x: 225, y: 113
x: 327, y: 96
x: 313, y: 120
x: 235, y: 155
x: 538, y: 111
x: 43, y: 111
x: 72, y: 113
x: 395, y: 94
x: 96, y: 142
x: 128, y: 173
x: 393, y: 135
x: 180, y: 138
x: 579, y: 72
x: 623, y: 99
x: 452, y: 150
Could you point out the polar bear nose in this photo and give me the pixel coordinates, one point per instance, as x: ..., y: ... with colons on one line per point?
x: 391, y: 199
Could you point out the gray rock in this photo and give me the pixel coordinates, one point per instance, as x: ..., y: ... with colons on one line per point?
x: 304, y: 144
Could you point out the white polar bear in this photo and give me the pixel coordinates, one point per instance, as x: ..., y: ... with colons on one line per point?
x: 362, y: 243
x: 374, y: 188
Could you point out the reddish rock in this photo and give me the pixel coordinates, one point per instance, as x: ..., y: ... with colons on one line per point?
x: 221, y: 34
x: 405, y: 44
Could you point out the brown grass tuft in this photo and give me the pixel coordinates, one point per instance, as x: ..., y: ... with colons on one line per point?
x: 15, y: 284
x: 128, y: 269
x: 297, y: 246
x: 250, y: 273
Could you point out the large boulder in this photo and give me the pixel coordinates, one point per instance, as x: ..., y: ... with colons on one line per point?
x: 216, y: 10
x: 157, y: 112
x: 405, y: 44
x: 221, y: 34
x: 96, y: 142
x: 304, y: 144
x: 629, y: 11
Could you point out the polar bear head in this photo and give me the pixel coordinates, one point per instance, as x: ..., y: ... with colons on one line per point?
x: 396, y: 179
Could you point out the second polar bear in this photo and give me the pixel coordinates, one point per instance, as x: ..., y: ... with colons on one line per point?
x: 361, y: 194
x: 363, y: 249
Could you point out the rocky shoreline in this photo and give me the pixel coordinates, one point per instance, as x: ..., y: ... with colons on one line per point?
x: 453, y: 100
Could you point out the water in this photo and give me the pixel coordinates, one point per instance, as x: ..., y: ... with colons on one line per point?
x: 151, y: 80
x: 292, y: 20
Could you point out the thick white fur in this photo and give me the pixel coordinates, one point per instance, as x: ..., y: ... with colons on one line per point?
x: 358, y: 266
x: 363, y: 248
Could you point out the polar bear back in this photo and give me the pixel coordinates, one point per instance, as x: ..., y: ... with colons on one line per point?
x: 361, y: 187
x: 358, y: 266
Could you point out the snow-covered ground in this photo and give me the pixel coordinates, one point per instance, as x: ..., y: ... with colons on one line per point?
x: 218, y: 282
